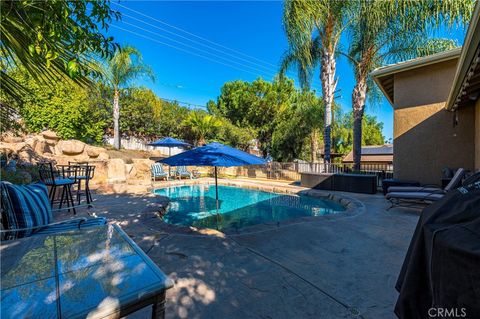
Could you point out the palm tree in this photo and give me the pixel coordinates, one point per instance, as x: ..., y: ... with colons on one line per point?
x: 120, y: 71
x: 302, y: 19
x: 388, y: 31
x: 202, y: 125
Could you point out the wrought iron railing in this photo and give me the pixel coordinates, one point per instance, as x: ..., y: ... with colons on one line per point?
x: 292, y: 171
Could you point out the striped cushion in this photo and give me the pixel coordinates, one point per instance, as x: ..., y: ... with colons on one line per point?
x: 26, y: 206
x: 72, y: 225
x: 157, y: 170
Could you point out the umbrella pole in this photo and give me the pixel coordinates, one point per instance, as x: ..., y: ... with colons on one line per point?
x: 216, y: 193
x: 216, y: 185
x: 169, y: 167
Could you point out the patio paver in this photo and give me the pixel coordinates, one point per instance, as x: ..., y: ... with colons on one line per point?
x: 343, y: 267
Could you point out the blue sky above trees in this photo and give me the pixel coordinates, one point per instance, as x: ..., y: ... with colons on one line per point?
x: 194, y: 72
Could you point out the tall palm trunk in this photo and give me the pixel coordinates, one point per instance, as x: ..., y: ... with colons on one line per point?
x: 313, y: 145
x: 116, y: 118
x: 359, y: 95
x: 327, y: 75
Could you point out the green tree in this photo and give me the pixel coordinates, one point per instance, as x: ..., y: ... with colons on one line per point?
x: 171, y: 121
x: 343, y: 139
x: 294, y: 135
x: 204, y: 126
x: 141, y: 112
x: 313, y: 30
x: 254, y: 105
x: 119, y: 72
x: 238, y: 137
x: 52, y: 40
x: 71, y: 111
x: 388, y: 31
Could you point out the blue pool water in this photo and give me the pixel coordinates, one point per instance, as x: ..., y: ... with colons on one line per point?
x: 195, y: 205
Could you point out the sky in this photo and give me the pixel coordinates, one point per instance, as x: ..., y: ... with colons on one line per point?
x: 195, y: 47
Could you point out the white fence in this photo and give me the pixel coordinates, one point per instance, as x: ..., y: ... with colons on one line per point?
x: 134, y: 143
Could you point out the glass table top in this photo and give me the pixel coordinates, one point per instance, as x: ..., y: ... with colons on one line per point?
x: 76, y: 273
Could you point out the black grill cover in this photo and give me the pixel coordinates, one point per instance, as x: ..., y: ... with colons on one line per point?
x: 442, y: 265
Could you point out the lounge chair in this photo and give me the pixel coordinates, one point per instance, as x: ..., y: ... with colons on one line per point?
x: 26, y: 211
x: 427, y: 195
x: 413, y: 199
x: 157, y: 171
x: 454, y: 183
x: 182, y: 171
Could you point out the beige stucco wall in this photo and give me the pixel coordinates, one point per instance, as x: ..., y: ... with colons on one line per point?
x: 477, y: 135
x: 425, y: 138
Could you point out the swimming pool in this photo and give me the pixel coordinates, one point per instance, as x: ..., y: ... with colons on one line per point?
x: 195, y: 205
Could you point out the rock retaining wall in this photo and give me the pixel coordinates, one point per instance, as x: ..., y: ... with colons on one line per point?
x: 47, y: 146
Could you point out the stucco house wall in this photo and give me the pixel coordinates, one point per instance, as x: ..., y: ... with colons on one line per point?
x: 425, y: 137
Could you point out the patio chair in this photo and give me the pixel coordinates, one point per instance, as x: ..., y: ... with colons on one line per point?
x: 454, y: 183
x: 182, y: 171
x: 51, y: 178
x: 26, y: 211
x: 85, y: 173
x: 157, y: 171
x: 421, y: 198
x: 413, y: 199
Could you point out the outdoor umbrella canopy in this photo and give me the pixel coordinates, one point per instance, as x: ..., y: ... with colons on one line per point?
x: 169, y: 142
x: 214, y: 154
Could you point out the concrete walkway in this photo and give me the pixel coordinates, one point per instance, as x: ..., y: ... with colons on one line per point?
x: 341, y: 267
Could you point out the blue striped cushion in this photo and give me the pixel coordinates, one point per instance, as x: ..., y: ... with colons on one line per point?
x: 26, y: 206
x: 157, y: 170
x: 72, y: 225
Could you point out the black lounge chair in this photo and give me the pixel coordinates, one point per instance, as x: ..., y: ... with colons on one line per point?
x: 425, y: 196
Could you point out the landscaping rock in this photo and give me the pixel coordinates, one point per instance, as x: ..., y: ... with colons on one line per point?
x: 71, y: 147
x: 26, y: 154
x: 10, y: 138
x: 140, y: 169
x: 103, y: 156
x: 116, y: 171
x: 96, y: 153
x: 51, y: 137
x: 93, y: 151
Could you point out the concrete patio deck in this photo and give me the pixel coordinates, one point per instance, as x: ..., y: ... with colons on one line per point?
x: 341, y: 267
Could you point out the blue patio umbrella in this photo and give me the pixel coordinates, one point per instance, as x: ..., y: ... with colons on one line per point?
x: 169, y: 142
x: 216, y: 155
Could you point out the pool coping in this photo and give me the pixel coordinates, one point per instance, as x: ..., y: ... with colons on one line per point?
x: 353, y: 206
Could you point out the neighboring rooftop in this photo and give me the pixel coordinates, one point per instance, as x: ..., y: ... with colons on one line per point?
x: 373, y: 154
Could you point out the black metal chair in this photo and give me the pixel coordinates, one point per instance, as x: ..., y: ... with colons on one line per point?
x: 85, y: 173
x: 53, y: 179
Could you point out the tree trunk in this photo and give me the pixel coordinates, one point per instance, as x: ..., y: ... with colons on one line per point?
x: 116, y: 118
x: 327, y: 75
x: 201, y: 141
x: 313, y: 145
x: 358, y: 104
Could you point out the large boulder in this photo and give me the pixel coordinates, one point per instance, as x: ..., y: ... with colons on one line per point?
x: 9, y: 137
x: 71, y: 147
x: 140, y: 169
x: 103, y: 156
x: 116, y: 171
x: 96, y: 152
x: 38, y: 144
x: 51, y: 137
x: 27, y: 154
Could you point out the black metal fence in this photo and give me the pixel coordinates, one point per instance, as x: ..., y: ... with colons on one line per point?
x: 291, y: 171
x: 382, y: 171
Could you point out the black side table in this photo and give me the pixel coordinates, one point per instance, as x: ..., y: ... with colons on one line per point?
x: 386, y: 183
